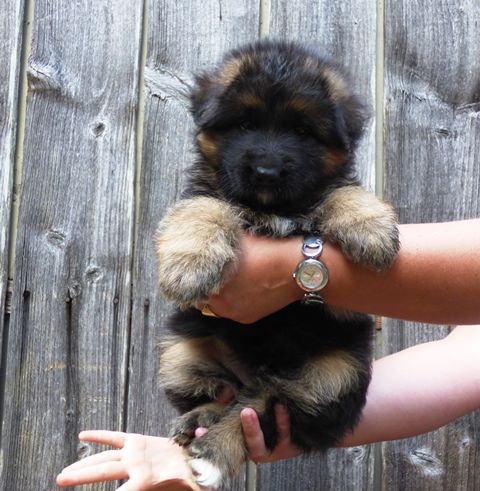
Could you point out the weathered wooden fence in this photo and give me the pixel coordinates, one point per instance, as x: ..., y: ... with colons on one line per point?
x: 94, y: 134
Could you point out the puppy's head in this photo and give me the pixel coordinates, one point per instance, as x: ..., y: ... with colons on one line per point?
x: 278, y: 124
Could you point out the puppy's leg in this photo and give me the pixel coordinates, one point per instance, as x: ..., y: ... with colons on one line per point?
x: 195, y: 242
x: 220, y: 453
x: 190, y: 372
x: 365, y: 227
x: 325, y: 398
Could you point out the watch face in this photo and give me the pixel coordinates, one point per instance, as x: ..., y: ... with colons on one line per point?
x: 312, y: 275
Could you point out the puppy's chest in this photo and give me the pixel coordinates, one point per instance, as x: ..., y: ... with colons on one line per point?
x: 279, y: 226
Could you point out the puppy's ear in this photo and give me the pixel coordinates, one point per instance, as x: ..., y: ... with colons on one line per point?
x: 205, y: 101
x: 352, y: 120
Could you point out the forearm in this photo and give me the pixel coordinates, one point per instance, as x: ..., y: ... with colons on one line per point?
x: 422, y: 388
x: 436, y: 277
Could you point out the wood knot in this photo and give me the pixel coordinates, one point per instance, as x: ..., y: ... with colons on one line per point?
x: 93, y: 274
x: 98, y: 128
x: 83, y: 450
x: 427, y: 462
x: 74, y: 291
x: 56, y: 238
x: 42, y: 77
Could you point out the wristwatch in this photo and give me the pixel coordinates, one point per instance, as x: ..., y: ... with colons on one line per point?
x: 311, y: 274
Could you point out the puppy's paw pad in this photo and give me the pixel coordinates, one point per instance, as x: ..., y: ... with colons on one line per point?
x: 206, y: 474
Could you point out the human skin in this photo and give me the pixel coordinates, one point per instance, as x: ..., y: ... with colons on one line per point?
x: 146, y: 462
x: 435, y: 278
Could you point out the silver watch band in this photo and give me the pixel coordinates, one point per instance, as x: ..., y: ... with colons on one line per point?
x: 312, y: 248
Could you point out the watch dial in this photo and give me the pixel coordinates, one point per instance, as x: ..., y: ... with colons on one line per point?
x: 312, y: 276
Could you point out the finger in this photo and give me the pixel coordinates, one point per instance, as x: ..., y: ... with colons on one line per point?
x: 114, y: 438
x: 253, y: 434
x: 108, y: 471
x: 282, y: 419
x: 99, y: 458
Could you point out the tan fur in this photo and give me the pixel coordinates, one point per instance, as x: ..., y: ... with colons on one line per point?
x: 229, y: 447
x: 208, y: 144
x: 322, y: 381
x: 180, y: 354
x: 195, y: 242
x: 251, y: 100
x: 205, y: 416
x: 230, y: 70
x: 337, y: 86
x: 311, y: 64
x: 334, y: 159
x: 299, y: 104
x: 363, y: 225
x: 230, y: 450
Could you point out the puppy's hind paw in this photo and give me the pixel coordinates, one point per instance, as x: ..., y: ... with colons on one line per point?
x: 207, y: 474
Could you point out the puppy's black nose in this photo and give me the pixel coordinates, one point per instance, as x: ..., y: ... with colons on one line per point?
x: 266, y: 175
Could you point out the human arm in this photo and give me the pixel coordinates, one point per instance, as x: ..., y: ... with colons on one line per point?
x: 435, y: 278
x: 413, y: 391
x: 149, y: 463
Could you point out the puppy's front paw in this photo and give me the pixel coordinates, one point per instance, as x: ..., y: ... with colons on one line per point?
x: 374, y: 243
x: 364, y: 227
x: 195, y: 243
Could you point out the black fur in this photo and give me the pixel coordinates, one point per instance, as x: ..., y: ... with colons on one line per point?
x: 292, y: 142
x: 280, y: 345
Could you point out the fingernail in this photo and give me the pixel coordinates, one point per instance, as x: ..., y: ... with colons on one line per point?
x: 248, y: 415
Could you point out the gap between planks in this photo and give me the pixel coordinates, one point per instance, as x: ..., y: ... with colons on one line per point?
x: 20, y: 133
x: 139, y: 136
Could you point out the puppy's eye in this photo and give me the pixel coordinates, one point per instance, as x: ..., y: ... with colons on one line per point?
x: 302, y: 130
x: 246, y: 125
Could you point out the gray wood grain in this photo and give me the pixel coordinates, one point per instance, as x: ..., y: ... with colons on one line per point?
x: 432, y: 174
x: 10, y: 40
x: 71, y: 304
x: 344, y: 32
x: 183, y: 38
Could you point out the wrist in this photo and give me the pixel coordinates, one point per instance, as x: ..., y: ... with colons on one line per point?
x: 287, y: 260
x: 311, y: 274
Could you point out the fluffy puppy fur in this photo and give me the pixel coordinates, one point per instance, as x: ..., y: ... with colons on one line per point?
x: 277, y: 126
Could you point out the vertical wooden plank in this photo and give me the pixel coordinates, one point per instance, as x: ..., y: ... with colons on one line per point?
x: 432, y: 174
x: 10, y: 54
x: 183, y: 38
x: 346, y: 33
x: 71, y: 303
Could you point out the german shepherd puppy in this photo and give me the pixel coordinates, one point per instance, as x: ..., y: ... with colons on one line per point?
x: 277, y: 126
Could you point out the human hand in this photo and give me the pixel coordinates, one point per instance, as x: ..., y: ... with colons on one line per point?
x: 148, y: 462
x: 257, y: 450
x: 262, y: 282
